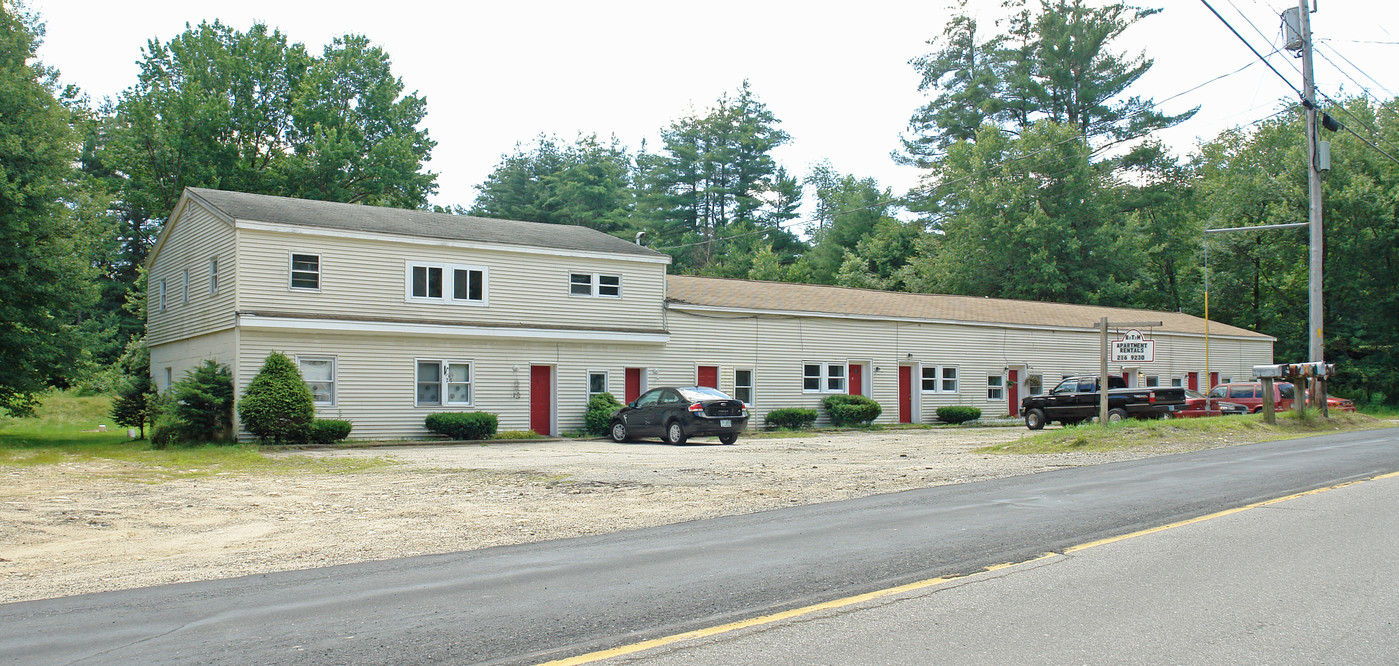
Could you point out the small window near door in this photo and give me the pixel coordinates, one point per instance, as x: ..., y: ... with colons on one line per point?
x: 1034, y: 384
x: 995, y: 387
x: 743, y: 385
x: 597, y: 383
x: 1152, y: 381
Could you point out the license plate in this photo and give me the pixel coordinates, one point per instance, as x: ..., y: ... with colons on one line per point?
x: 726, y: 423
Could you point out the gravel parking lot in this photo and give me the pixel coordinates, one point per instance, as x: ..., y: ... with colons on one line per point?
x: 77, y: 528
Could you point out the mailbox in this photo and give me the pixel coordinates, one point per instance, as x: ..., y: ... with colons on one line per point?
x: 1269, y: 371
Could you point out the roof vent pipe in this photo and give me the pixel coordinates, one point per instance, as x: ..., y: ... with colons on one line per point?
x: 639, y: 234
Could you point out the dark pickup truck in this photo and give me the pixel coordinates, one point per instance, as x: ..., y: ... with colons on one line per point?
x: 1076, y: 400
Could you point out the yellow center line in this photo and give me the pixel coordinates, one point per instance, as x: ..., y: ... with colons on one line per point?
x: 919, y: 585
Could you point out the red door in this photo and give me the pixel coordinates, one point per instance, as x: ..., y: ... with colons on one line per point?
x: 857, y: 379
x: 1214, y: 379
x: 905, y: 394
x: 708, y: 375
x: 1013, y: 378
x: 633, y: 386
x: 1192, y: 381
x: 541, y: 399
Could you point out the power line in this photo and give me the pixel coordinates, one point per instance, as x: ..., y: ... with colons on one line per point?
x: 1250, y: 47
x: 1357, y: 68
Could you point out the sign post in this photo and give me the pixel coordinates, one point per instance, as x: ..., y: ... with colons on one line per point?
x: 1134, y: 347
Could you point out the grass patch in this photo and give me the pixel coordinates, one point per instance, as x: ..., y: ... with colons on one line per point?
x: 1379, y: 411
x: 1181, y: 433
x: 64, y: 431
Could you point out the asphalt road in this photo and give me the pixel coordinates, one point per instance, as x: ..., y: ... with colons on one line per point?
x: 546, y: 600
x: 1309, y: 580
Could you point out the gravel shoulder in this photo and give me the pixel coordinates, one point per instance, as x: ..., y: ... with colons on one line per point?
x: 77, y: 528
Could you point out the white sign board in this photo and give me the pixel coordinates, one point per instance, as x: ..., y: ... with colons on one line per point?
x: 1132, y: 348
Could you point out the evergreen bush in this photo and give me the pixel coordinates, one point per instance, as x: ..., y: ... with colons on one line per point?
x: 958, y: 414
x: 851, y: 410
x: 277, y: 406
x: 791, y: 418
x: 598, y: 418
x: 462, y: 425
x: 203, y: 404
x: 132, y: 407
x: 328, y: 431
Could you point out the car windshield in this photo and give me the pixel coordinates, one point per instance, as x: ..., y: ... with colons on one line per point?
x: 1191, y: 393
x: 703, y: 393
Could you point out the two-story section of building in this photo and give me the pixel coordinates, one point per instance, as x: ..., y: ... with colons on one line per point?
x: 392, y: 315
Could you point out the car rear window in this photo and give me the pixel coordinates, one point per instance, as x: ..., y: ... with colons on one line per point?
x: 703, y: 393
x: 1243, y: 392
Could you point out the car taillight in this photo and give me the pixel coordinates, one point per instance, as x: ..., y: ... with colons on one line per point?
x: 1151, y: 397
x: 697, y: 408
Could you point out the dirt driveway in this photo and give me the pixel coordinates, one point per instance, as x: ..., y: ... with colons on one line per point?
x: 73, y: 528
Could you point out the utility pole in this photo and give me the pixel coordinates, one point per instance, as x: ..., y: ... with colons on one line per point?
x: 1315, y: 352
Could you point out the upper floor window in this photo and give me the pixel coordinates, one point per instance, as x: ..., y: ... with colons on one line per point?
x: 161, y: 296
x: 184, y: 286
x: 823, y: 377
x: 595, y: 284
x: 447, y: 283
x: 214, y: 275
x: 306, y: 271
x: 319, y: 374
x: 940, y: 379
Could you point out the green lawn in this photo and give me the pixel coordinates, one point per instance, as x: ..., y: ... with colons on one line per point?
x: 65, y: 429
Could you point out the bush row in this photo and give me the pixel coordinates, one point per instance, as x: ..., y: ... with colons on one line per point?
x: 851, y: 410
x: 958, y: 414
x: 462, y: 425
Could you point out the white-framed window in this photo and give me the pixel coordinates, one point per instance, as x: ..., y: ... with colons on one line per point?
x: 213, y: 275
x: 319, y: 374
x: 743, y: 385
x: 442, y: 382
x: 595, y: 284
x: 447, y: 283
x: 995, y: 387
x: 1034, y: 383
x: 305, y: 272
x: 160, y: 296
x: 940, y: 379
x: 1152, y: 381
x: 823, y: 377
x: 169, y: 377
x: 184, y: 286
x: 597, y: 383
x: 1177, y: 382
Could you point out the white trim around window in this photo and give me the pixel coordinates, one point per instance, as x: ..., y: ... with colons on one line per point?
x: 597, y: 382
x: 596, y: 285
x: 823, y: 377
x: 460, y: 284
x: 160, y: 298
x: 940, y: 379
x: 184, y: 286
x: 744, y: 385
x: 319, y: 374
x: 995, y: 387
x: 304, y: 271
x: 213, y: 276
x: 442, y: 383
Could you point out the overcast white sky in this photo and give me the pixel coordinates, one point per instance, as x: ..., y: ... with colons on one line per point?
x: 835, y: 73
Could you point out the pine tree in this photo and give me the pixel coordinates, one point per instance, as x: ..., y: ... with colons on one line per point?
x: 277, y: 406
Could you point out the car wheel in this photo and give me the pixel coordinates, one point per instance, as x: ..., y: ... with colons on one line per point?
x: 728, y: 439
x: 1034, y: 419
x: 675, y: 433
x: 1117, y: 414
x: 1257, y: 410
x: 1167, y: 415
x: 619, y: 431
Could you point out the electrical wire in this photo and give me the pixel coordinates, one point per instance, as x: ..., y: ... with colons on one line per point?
x: 1322, y: 42
x: 1250, y: 47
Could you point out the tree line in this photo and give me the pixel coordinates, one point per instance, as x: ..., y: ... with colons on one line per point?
x: 1040, y: 181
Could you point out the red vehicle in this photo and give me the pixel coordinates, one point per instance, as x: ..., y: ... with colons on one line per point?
x: 1195, y: 407
x: 1250, y: 394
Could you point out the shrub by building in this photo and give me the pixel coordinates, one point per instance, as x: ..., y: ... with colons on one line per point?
x: 792, y: 418
x: 462, y: 425
x: 598, y: 418
x: 851, y: 410
x: 277, y: 406
x: 955, y: 414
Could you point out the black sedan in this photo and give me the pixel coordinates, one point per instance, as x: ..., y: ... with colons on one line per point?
x: 676, y: 414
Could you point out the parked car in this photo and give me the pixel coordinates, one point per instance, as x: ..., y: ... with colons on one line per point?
x: 1195, y: 407
x: 1250, y: 394
x: 677, y: 413
x: 1076, y: 399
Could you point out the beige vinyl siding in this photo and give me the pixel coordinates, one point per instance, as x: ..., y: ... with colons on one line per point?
x: 183, y: 355
x: 367, y: 279
x: 197, y: 237
x: 776, y: 347
x: 375, y: 385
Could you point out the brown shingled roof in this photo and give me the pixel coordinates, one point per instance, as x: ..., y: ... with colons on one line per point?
x: 822, y: 299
